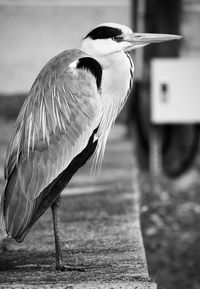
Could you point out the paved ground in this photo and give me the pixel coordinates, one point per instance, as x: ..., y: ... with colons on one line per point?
x: 100, y: 232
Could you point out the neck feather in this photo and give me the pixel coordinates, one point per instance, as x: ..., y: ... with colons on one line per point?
x: 116, y: 82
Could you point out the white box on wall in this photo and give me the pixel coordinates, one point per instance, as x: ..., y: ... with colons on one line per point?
x: 175, y: 90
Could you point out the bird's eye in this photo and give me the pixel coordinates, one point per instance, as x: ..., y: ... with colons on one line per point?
x: 118, y: 38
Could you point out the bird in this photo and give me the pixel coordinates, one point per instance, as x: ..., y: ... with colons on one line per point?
x: 65, y: 120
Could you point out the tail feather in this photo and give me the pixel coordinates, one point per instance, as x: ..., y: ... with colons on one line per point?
x: 16, y: 207
x: 2, y: 220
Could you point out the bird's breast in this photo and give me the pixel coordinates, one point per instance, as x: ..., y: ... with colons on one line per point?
x: 117, y: 77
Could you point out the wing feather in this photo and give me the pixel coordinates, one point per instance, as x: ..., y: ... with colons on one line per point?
x: 50, y: 193
x: 57, y: 119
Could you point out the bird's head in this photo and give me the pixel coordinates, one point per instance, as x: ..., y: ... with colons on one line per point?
x: 108, y: 38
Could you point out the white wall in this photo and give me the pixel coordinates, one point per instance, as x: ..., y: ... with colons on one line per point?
x: 32, y: 32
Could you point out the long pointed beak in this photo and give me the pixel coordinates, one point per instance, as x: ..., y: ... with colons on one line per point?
x: 147, y: 38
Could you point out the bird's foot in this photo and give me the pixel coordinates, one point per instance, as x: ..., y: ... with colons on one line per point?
x: 60, y: 268
x: 69, y: 268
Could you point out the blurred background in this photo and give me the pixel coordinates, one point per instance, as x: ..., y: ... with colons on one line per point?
x: 32, y: 32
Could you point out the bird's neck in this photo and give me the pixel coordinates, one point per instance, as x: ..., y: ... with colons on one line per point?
x: 116, y: 78
x: 116, y: 82
x: 117, y: 70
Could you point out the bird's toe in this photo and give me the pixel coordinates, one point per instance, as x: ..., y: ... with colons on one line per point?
x: 69, y: 268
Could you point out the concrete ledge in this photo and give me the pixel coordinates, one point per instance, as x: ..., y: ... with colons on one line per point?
x: 100, y: 232
x: 91, y: 285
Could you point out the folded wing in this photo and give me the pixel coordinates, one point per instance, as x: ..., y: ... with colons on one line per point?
x: 55, y: 125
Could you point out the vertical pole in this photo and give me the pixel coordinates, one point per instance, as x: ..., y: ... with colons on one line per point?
x: 140, y: 26
x: 135, y: 172
x: 155, y: 156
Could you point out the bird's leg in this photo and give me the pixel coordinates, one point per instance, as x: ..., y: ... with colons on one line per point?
x: 59, y: 259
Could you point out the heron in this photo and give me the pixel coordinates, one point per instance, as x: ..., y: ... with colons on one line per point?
x: 65, y: 119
